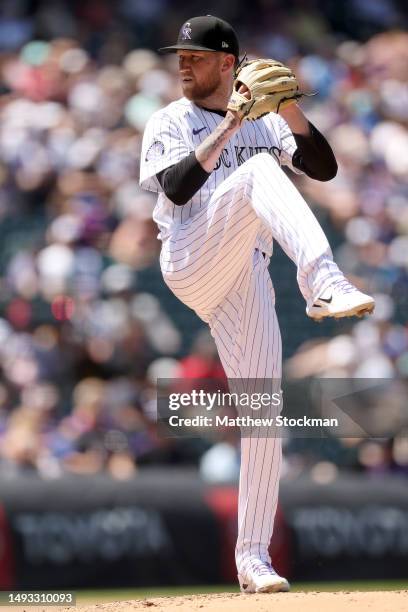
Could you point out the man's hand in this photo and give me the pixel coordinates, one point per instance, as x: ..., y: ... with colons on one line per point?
x: 239, y: 116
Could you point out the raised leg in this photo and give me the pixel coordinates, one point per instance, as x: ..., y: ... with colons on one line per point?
x: 209, y: 254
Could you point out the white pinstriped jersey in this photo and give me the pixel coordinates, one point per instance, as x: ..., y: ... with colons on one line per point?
x: 176, y: 130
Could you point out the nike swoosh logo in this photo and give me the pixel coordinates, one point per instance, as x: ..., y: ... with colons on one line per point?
x: 197, y: 131
x: 325, y: 300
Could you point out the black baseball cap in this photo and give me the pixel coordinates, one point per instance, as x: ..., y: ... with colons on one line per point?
x: 206, y: 33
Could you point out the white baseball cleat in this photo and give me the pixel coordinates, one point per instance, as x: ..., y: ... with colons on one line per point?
x: 262, y: 578
x: 339, y: 300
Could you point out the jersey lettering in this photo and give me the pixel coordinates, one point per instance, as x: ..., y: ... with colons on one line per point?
x: 173, y: 132
x: 223, y: 159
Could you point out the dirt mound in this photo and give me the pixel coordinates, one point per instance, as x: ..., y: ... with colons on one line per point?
x: 342, y: 601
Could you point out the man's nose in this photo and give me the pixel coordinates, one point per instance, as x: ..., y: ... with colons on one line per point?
x: 183, y: 63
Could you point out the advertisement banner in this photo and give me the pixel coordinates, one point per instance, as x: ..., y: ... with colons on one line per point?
x: 166, y: 527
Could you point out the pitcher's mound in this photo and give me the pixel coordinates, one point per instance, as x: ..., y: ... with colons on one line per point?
x: 342, y: 601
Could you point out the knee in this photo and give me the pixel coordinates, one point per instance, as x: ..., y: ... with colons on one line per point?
x: 262, y: 160
x: 259, y: 166
x: 266, y: 157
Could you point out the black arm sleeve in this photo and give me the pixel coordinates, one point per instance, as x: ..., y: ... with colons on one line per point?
x: 314, y: 155
x: 182, y: 180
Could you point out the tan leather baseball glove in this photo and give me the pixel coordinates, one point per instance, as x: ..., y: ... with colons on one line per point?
x: 272, y: 87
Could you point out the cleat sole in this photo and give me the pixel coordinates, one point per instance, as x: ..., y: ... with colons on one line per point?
x: 358, y: 311
x: 279, y: 587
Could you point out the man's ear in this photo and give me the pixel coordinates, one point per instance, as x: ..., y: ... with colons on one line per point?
x: 228, y: 62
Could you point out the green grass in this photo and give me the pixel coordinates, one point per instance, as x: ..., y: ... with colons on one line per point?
x: 99, y: 596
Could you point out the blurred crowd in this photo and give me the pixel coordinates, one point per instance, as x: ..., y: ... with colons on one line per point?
x: 83, y: 337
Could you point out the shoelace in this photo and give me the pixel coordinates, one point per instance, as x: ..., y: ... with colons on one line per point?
x: 344, y: 286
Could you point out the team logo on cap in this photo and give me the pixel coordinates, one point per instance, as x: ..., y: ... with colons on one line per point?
x: 186, y: 32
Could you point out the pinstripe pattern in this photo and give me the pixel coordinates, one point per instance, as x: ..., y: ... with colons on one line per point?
x: 248, y: 339
x: 174, y: 126
x: 212, y: 260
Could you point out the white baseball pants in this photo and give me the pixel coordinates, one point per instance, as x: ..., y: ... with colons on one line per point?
x: 213, y: 264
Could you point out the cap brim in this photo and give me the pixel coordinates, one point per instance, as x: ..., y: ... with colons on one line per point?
x: 186, y: 47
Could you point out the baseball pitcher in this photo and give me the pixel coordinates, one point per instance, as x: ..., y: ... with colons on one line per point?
x: 214, y: 157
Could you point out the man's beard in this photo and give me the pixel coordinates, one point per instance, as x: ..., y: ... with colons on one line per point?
x: 200, y: 91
